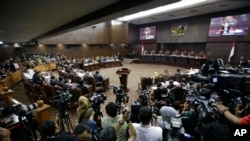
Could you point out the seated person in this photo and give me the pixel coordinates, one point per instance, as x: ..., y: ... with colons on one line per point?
x: 37, y: 78
x: 28, y: 76
x: 98, y: 77
x: 62, y: 84
x: 53, y: 80
x: 178, y: 75
x: 3, y: 73
x: 159, y: 98
x: 171, y: 84
x: 84, y: 89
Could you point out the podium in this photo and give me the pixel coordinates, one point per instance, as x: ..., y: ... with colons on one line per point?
x: 123, y: 76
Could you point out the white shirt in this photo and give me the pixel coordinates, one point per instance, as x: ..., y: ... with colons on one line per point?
x: 27, y: 76
x: 148, y: 133
x: 31, y: 71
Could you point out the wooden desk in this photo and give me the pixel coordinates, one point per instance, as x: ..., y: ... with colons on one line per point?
x: 90, y: 88
x: 110, y: 64
x: 8, y: 99
x: 91, y: 67
x: 106, y: 84
x: 42, y: 113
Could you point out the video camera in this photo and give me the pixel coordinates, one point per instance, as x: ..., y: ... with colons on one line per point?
x: 121, y: 95
x: 18, y: 109
x: 61, y: 102
x: 63, y: 98
x: 97, y: 99
x: 143, y: 97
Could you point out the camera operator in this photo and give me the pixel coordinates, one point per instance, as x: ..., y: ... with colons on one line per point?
x: 5, y: 134
x: 145, y: 130
x: 131, y: 129
x: 166, y: 112
x: 236, y: 119
x: 84, y: 110
x: 113, y: 119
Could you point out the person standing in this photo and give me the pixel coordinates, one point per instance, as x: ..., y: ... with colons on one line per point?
x: 145, y: 130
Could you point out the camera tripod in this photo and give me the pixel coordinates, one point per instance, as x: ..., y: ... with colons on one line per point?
x: 97, y: 116
x: 29, y: 128
x: 65, y: 120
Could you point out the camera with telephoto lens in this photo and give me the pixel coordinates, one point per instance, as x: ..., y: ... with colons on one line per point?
x: 121, y: 95
x: 143, y: 97
x: 97, y: 99
x: 19, y: 109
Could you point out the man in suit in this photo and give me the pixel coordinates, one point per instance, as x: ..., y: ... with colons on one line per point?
x: 98, y: 77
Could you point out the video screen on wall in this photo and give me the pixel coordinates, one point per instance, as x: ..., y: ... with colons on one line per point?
x: 147, y: 33
x: 229, y: 25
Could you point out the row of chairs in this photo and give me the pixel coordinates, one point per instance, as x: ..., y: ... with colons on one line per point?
x: 47, y: 91
x: 97, y: 86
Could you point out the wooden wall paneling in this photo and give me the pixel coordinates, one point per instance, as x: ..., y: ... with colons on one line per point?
x: 69, y: 38
x: 61, y: 39
x: 196, y: 30
x: 133, y: 34
x: 222, y: 50
x: 119, y: 33
x: 77, y: 38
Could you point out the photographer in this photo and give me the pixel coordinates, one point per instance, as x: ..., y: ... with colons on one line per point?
x: 113, y: 119
x: 166, y: 113
x: 131, y: 129
x: 236, y: 119
x: 145, y: 130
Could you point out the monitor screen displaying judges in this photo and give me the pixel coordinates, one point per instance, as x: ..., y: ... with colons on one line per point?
x: 147, y: 33
x: 229, y: 25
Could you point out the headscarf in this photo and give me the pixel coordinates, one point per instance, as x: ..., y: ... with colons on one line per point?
x: 84, y: 107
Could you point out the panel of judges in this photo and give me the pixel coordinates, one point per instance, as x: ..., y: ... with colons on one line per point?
x: 183, y: 60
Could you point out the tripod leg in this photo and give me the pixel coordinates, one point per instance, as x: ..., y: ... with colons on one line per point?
x: 69, y: 124
x: 61, y: 125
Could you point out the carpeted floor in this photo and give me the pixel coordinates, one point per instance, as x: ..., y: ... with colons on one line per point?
x: 137, y: 71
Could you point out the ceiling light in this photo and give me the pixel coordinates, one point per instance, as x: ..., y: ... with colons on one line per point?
x: 116, y: 22
x: 161, y: 9
x: 1, y: 42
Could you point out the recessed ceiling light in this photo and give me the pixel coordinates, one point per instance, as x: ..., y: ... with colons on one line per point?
x: 161, y: 9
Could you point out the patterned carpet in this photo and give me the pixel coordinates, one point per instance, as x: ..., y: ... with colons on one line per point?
x: 137, y: 71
